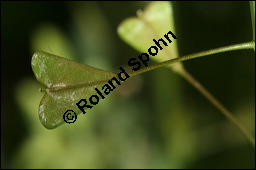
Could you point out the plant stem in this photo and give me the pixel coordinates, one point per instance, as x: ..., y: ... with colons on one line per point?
x: 247, y: 45
x: 218, y: 105
x: 199, y: 87
x: 252, y: 8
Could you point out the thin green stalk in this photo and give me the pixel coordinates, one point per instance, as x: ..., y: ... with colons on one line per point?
x: 199, y: 87
x: 252, y: 8
x: 218, y: 105
x: 247, y: 45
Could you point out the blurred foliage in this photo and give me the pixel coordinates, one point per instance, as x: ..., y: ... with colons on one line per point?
x: 155, y: 120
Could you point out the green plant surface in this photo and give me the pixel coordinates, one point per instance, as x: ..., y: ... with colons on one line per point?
x: 153, y: 120
x: 67, y: 83
x: 65, y: 86
x: 154, y: 22
x: 252, y: 7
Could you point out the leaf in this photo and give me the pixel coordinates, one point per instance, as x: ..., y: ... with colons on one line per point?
x: 153, y: 23
x: 67, y: 83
